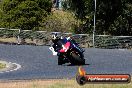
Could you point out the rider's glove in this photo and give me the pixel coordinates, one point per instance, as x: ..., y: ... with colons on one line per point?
x: 53, y: 51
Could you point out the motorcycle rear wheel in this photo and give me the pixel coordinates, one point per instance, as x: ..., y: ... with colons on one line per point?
x: 77, y: 58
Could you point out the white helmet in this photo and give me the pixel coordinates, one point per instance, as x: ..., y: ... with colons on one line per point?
x: 53, y: 37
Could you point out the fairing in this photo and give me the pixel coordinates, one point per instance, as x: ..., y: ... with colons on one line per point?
x: 65, y: 48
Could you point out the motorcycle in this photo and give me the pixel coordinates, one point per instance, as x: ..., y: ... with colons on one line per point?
x: 69, y: 52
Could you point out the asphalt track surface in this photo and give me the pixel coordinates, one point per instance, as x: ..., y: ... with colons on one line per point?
x: 37, y: 62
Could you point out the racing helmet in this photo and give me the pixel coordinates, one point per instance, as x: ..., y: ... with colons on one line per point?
x: 54, y: 36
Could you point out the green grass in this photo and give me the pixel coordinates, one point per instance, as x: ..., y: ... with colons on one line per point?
x: 73, y: 84
x: 2, y: 65
x: 58, y: 83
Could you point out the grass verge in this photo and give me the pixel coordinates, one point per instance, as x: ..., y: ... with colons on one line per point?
x: 2, y: 65
x: 10, y: 40
x: 57, y: 83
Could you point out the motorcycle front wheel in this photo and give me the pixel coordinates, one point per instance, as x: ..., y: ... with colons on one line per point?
x: 61, y: 60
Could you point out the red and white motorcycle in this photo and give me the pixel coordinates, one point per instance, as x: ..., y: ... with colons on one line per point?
x: 69, y: 51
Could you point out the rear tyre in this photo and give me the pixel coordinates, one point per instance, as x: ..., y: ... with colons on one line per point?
x: 77, y: 58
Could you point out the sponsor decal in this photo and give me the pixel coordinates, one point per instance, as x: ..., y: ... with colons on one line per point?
x: 82, y: 77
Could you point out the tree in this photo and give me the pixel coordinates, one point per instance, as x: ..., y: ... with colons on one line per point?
x: 122, y: 25
x: 112, y: 16
x: 24, y: 14
x: 59, y: 21
x: 83, y: 10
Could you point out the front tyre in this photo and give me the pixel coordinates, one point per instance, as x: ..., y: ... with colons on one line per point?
x: 61, y: 60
